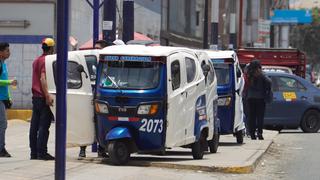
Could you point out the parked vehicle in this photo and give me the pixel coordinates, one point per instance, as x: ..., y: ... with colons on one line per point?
x: 211, y: 93
x: 296, y: 103
x: 152, y: 98
x: 80, y: 80
x: 277, y: 69
x: 291, y: 58
x: 230, y: 87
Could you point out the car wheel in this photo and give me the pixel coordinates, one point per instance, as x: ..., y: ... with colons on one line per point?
x: 310, y: 122
x: 198, y: 148
x: 118, y: 152
x: 214, y: 143
x: 239, y: 136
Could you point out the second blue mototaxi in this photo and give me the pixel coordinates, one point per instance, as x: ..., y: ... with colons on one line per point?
x: 230, y: 88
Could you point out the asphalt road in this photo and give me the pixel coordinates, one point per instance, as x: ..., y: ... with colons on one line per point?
x: 300, y: 155
x: 294, y: 155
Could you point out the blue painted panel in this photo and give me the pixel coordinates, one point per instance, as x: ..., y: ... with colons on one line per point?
x: 200, y: 112
x: 292, y: 17
x: 118, y: 133
x: 23, y: 39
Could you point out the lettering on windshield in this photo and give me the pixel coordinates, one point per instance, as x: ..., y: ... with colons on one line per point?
x: 128, y: 58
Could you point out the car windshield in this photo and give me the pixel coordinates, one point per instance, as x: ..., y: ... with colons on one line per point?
x: 222, y: 72
x: 130, y: 75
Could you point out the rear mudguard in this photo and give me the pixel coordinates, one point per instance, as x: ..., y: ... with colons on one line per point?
x: 118, y: 133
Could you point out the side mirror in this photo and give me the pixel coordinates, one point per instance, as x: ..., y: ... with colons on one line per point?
x: 80, y: 69
x: 205, y: 69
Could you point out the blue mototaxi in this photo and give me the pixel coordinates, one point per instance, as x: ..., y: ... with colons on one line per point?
x: 149, y: 99
x: 230, y: 87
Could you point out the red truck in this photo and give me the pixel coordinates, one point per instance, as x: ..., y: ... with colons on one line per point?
x: 292, y: 58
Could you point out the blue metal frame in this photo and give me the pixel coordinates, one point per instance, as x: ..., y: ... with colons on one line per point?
x: 128, y: 20
x: 62, y: 57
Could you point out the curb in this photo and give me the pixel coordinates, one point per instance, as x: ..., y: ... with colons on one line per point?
x: 22, y: 114
x: 232, y: 170
x: 245, y: 169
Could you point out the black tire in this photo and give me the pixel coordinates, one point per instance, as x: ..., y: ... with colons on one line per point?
x: 118, y: 152
x: 310, y: 122
x: 239, y: 136
x: 198, y: 148
x: 214, y: 143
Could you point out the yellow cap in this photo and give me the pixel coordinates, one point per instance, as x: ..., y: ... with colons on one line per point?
x: 48, y: 42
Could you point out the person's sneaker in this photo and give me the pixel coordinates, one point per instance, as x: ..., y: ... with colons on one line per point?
x: 260, y: 137
x: 4, y: 153
x: 253, y: 137
x: 46, y: 157
x: 82, y: 153
x: 33, y: 157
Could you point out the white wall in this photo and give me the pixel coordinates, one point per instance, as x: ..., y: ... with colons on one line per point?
x: 42, y: 20
x: 41, y: 17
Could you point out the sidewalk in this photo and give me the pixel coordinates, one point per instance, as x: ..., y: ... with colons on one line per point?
x: 230, y: 158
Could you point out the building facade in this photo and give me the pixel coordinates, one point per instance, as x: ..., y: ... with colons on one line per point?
x: 24, y: 23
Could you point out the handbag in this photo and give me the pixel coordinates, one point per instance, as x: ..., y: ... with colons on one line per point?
x: 7, y: 103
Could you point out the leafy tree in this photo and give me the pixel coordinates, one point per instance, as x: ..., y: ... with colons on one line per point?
x: 307, y: 38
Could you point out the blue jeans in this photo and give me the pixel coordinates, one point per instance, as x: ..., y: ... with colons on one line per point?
x: 3, y: 125
x: 39, y: 126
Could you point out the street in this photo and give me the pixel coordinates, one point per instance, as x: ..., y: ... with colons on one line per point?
x: 293, y: 155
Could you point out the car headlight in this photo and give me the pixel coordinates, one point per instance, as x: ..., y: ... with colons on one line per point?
x: 224, y: 101
x: 148, y: 109
x: 101, y: 108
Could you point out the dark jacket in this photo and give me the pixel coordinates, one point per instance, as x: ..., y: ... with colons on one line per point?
x: 258, y: 88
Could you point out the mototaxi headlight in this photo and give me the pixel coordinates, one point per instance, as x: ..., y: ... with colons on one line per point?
x: 101, y: 108
x: 148, y: 109
x: 224, y: 101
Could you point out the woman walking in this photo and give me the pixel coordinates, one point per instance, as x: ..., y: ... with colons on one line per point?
x: 257, y: 88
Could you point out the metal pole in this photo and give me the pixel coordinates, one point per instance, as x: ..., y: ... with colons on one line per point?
x: 109, y: 20
x: 214, y: 23
x: 232, y: 27
x: 240, y: 24
x: 62, y: 56
x: 128, y: 20
x: 96, y: 4
x: 205, y: 26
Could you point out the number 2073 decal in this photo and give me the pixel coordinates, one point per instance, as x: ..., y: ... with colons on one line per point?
x: 151, y: 125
